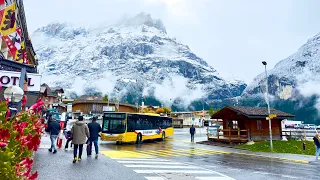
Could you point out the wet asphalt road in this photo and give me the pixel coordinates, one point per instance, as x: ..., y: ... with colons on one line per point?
x: 232, y: 165
x: 177, y: 158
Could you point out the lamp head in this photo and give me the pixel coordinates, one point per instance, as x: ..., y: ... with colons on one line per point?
x: 13, y: 93
x: 264, y: 63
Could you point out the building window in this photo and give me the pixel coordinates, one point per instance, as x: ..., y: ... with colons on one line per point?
x: 234, y: 124
x: 259, y: 124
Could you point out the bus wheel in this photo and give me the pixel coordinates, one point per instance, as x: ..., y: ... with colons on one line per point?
x: 139, y: 139
x: 163, y: 136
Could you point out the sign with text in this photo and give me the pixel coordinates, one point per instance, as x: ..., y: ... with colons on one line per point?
x: 271, y: 116
x: 109, y: 108
x: 11, y: 78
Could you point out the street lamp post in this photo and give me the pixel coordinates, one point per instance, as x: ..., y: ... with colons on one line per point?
x: 270, y: 129
x: 14, y: 94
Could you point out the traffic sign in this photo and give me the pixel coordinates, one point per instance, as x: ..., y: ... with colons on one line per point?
x: 271, y: 116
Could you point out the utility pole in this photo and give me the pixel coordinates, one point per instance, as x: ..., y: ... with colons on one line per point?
x: 270, y: 129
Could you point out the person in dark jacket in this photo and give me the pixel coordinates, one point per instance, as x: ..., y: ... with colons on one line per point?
x: 54, y: 130
x: 317, y: 143
x: 192, y: 132
x: 94, y: 129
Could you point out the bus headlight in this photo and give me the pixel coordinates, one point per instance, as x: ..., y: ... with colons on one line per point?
x: 121, y: 137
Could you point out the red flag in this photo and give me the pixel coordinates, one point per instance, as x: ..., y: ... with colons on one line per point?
x: 1, y: 2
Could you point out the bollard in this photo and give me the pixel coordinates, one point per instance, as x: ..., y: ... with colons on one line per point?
x: 304, y: 146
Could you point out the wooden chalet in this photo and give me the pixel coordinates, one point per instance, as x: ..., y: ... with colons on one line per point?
x: 242, y: 124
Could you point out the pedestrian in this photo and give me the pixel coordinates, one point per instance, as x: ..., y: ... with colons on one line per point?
x: 54, y: 130
x: 192, y: 132
x: 317, y: 143
x: 80, y: 133
x: 68, y: 135
x: 94, y: 129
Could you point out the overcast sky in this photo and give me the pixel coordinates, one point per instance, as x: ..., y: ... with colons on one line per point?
x: 232, y: 36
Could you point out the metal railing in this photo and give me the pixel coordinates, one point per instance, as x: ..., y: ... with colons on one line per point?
x: 298, y: 134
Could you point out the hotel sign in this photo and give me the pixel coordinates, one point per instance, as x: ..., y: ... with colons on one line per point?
x: 11, y: 78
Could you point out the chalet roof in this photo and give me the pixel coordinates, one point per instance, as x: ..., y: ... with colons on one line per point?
x: 44, y: 87
x: 253, y: 112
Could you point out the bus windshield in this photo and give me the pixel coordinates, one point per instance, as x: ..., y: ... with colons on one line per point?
x: 114, y: 123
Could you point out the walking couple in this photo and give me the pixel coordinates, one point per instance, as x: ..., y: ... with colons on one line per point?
x: 80, y: 132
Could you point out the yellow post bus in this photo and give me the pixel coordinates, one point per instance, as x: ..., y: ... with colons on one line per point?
x: 135, y: 127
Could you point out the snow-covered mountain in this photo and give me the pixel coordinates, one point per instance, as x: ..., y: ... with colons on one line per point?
x: 299, y: 74
x: 135, y: 58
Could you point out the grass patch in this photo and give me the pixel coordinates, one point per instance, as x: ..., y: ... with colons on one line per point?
x: 293, y: 147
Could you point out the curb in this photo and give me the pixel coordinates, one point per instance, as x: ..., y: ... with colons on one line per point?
x: 273, y: 157
x: 259, y: 155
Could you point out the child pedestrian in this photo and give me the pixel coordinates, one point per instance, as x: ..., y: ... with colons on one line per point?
x: 68, y: 136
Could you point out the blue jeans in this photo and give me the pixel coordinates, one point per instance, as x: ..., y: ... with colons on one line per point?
x: 53, y: 139
x: 75, y: 150
x: 317, y: 152
x: 95, y: 142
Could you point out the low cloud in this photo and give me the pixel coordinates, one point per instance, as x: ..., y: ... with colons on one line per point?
x: 309, y: 85
x: 175, y: 88
x: 105, y: 84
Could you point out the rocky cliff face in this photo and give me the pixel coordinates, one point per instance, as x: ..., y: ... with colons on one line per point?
x: 135, y: 58
x: 288, y: 78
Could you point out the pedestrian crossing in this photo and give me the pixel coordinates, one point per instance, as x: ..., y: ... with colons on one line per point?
x: 162, y: 169
x: 160, y: 153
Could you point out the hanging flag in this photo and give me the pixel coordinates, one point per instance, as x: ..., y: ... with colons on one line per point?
x: 2, y: 2
x: 10, y: 45
x: 1, y: 14
x: 8, y: 21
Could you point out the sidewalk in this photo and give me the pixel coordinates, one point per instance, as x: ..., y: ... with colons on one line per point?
x: 60, y: 166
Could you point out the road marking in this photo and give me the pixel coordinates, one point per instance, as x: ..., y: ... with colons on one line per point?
x: 125, y: 154
x: 162, y: 166
x: 137, y: 159
x: 144, y: 162
x: 172, y: 171
x: 44, y: 146
x: 154, y: 178
x: 155, y: 166
x: 287, y: 176
x: 138, y: 154
x: 212, y: 178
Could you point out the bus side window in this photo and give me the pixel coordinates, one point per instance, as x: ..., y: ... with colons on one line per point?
x: 132, y: 123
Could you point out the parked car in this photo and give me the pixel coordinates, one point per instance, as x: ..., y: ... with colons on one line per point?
x: 289, y: 125
x: 309, y: 126
x: 298, y: 126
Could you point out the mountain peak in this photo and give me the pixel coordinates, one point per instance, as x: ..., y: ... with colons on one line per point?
x: 62, y: 30
x: 144, y: 19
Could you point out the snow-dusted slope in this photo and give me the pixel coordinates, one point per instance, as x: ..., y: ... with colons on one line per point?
x: 293, y: 74
x: 135, y: 57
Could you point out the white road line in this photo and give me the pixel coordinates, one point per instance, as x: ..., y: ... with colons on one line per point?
x: 213, y: 178
x: 173, y: 171
x: 44, y: 146
x: 138, y: 159
x: 212, y: 171
x: 143, y: 162
x: 287, y: 176
x: 155, y: 178
x: 162, y: 166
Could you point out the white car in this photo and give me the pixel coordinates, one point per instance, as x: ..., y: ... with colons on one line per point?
x: 309, y: 126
